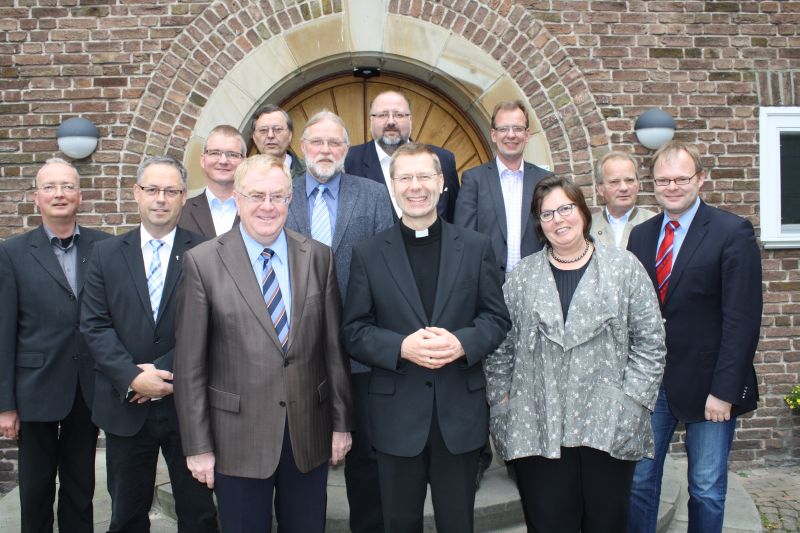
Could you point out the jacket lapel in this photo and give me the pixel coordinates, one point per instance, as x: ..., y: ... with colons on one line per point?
x: 202, y: 214
x: 132, y: 251
x: 450, y: 261
x: 181, y: 243
x: 84, y: 245
x: 394, y: 253
x: 348, y: 200
x: 233, y: 255
x: 528, y: 184
x: 652, y: 230
x: 492, y: 178
x: 298, y: 208
x: 691, y: 243
x: 299, y: 269
x: 42, y: 251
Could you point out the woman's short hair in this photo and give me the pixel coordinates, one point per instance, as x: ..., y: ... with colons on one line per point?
x: 573, y: 192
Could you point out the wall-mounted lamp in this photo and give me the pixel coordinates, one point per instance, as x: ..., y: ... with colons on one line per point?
x: 654, y: 128
x: 77, y: 137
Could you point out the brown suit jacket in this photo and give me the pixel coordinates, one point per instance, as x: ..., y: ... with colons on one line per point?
x: 234, y: 386
x: 196, y: 216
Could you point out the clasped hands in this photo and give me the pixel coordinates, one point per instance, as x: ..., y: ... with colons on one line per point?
x: 150, y: 384
x: 431, y: 348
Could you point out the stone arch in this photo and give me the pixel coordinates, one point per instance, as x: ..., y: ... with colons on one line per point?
x: 236, y: 54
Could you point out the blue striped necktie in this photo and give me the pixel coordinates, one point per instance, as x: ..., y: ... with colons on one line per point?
x: 155, y: 277
x: 272, y: 297
x: 321, y: 219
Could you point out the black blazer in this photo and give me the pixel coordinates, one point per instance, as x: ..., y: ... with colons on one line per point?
x: 43, y: 356
x: 712, y: 311
x: 118, y: 323
x: 196, y: 216
x: 362, y: 160
x: 383, y: 306
x: 480, y: 206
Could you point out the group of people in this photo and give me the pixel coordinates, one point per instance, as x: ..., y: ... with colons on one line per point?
x: 364, y: 304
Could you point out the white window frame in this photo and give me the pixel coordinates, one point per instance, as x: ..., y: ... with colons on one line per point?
x: 772, y: 122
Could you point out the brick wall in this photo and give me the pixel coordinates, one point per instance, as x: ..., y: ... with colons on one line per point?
x: 142, y: 71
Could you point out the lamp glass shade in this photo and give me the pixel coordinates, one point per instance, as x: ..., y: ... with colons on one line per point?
x: 655, y: 138
x: 77, y: 147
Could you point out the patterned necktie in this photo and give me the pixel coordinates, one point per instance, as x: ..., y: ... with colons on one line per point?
x: 155, y: 277
x: 321, y: 219
x: 272, y: 296
x: 664, y: 258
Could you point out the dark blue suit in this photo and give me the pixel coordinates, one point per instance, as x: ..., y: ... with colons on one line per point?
x: 712, y: 312
x: 362, y: 160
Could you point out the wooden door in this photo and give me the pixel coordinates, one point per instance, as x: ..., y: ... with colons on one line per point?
x: 435, y: 119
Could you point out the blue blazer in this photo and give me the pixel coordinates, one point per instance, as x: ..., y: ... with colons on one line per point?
x: 362, y: 160
x: 712, y: 311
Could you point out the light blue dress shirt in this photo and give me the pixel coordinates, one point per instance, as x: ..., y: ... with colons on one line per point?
x: 280, y: 264
x: 331, y: 197
x: 685, y: 220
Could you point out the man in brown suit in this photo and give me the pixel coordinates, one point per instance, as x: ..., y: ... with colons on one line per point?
x: 263, y: 402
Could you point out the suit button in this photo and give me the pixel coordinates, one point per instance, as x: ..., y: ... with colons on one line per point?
x: 428, y: 384
x: 71, y: 296
x: 75, y: 357
x: 285, y: 362
x: 282, y: 404
x: 156, y: 340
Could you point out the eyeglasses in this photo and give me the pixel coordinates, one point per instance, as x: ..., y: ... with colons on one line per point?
x: 152, y: 192
x: 332, y: 143
x: 66, y: 188
x: 617, y: 182
x: 503, y: 130
x: 276, y: 130
x: 680, y: 180
x: 258, y: 198
x: 216, y: 154
x: 563, y: 210
x: 384, y: 115
x: 406, y: 179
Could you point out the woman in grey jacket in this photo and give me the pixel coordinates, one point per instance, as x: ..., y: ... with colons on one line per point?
x: 572, y: 386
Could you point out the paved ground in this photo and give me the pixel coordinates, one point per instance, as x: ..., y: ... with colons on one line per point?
x: 776, y: 493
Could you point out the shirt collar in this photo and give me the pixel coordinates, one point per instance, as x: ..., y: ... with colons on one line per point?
x: 50, y: 235
x: 332, y: 185
x: 502, y: 168
x: 280, y: 247
x: 287, y: 160
x: 621, y: 220
x: 168, y: 239
x: 382, y: 155
x: 213, y: 199
x: 685, y: 220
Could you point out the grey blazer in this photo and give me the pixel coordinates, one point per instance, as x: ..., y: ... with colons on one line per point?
x: 590, y: 382
x: 480, y: 207
x: 601, y: 229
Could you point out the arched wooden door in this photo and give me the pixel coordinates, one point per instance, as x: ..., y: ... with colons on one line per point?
x: 435, y: 119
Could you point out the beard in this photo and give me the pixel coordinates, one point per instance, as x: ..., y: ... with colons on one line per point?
x: 323, y: 174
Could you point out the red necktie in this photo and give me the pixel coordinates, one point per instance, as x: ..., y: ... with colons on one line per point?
x: 664, y: 258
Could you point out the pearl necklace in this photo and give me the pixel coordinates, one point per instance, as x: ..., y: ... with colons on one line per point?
x: 567, y: 261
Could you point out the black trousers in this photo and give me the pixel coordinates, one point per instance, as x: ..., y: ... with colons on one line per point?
x: 585, y: 490
x: 131, y: 464
x: 361, y: 466
x: 404, y: 482
x: 66, y: 447
x: 245, y: 504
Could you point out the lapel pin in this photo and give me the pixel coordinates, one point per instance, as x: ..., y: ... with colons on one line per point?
x: 177, y: 258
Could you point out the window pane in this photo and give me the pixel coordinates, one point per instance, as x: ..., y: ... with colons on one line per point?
x: 790, y: 178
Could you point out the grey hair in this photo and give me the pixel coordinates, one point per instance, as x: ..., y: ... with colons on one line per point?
x: 326, y: 114
x: 162, y: 160
x: 57, y: 161
x: 615, y: 154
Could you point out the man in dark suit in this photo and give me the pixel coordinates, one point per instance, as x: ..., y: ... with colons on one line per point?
x: 46, y: 374
x: 213, y: 211
x: 424, y: 307
x: 706, y: 267
x: 128, y: 319
x: 495, y: 198
x: 272, y: 132
x: 390, y: 125
x: 352, y: 209
x: 261, y: 380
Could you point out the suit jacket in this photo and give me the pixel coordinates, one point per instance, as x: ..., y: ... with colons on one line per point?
x: 117, y: 320
x: 362, y: 160
x: 235, y: 388
x: 712, y: 311
x: 603, y: 234
x: 480, y: 207
x: 43, y: 356
x: 383, y: 307
x: 298, y: 166
x: 196, y: 216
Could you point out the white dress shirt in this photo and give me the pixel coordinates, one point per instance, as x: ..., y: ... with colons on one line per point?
x: 385, y: 159
x: 511, y: 184
x: 222, y: 213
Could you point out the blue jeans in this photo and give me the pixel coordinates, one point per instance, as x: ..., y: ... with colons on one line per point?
x: 707, y: 448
